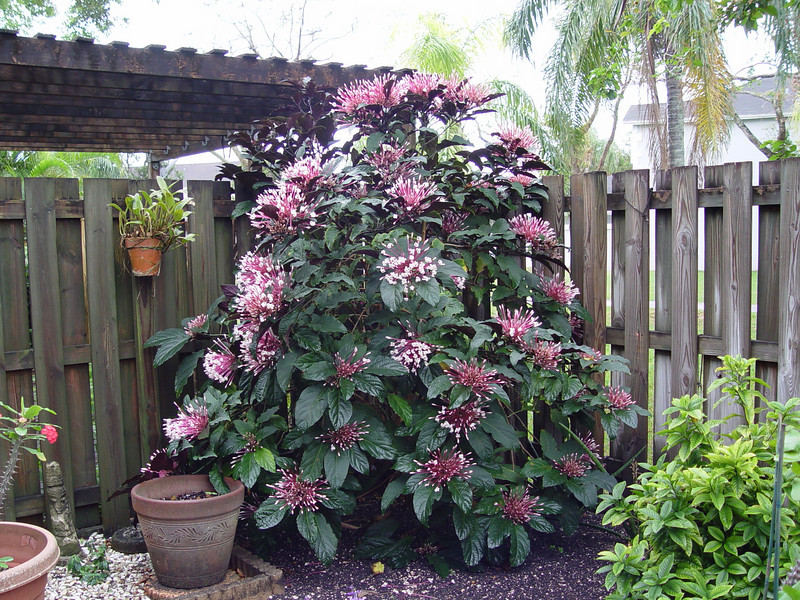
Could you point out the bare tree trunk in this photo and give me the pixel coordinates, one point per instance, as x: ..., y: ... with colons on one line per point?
x: 675, y: 118
x: 751, y: 136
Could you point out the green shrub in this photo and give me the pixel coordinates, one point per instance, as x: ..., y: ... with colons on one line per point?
x: 700, y: 523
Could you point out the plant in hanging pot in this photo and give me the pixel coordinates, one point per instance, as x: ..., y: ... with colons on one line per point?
x: 150, y: 223
x: 27, y: 552
x: 189, y: 521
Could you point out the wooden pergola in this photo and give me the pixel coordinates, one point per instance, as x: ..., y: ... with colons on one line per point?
x: 82, y: 96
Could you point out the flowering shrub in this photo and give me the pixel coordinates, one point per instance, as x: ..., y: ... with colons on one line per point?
x: 397, y: 300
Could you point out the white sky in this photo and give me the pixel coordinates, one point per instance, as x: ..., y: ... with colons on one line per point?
x: 370, y: 32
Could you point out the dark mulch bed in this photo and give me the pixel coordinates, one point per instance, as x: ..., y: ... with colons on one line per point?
x: 558, y: 568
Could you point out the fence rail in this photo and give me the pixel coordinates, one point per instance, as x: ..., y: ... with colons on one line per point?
x: 73, y: 323
x: 673, y: 211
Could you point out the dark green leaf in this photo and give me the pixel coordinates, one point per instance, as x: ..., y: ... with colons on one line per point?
x: 392, y: 492
x: 336, y: 468
x: 311, y: 406
x: 465, y: 524
x: 462, y: 493
x: 313, y: 459
x: 170, y: 341
x: 319, y: 534
x: 495, y: 424
x: 520, y: 545
x: 270, y: 513
x: 284, y: 368
x: 385, y: 366
x: 338, y: 500
x: 499, y: 529
x: 424, y: 498
x: 401, y: 408
x: 327, y: 324
x: 438, y: 386
x: 247, y: 469
x: 185, y: 370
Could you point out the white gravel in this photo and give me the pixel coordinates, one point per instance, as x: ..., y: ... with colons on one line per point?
x: 128, y: 572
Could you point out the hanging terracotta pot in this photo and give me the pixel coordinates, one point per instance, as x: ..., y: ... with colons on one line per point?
x: 34, y: 551
x: 189, y: 541
x: 145, y: 255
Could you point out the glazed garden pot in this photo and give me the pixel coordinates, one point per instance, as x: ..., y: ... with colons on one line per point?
x: 35, y: 552
x: 189, y: 541
x: 144, y: 254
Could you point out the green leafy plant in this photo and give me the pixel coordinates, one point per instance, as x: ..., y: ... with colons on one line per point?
x: 94, y: 568
x: 160, y: 213
x: 701, y: 521
x: 385, y: 342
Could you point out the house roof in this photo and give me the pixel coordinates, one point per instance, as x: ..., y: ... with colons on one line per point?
x: 745, y: 103
x: 82, y: 96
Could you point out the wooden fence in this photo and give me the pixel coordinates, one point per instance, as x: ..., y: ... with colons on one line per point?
x: 685, y: 351
x: 72, y: 322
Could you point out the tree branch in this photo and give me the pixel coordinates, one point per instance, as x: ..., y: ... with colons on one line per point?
x: 750, y: 135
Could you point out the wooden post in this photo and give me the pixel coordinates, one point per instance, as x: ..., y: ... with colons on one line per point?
x: 637, y: 304
x: 202, y: 252
x: 662, y: 360
x: 712, y: 287
x: 593, y: 282
x: 737, y: 261
x: 618, y: 283
x: 553, y: 212
x: 769, y: 227
x: 789, y: 303
x: 46, y: 325
x: 111, y: 453
x: 684, y: 281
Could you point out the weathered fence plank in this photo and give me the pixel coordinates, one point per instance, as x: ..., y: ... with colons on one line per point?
x: 46, y: 319
x: 637, y: 304
x: 789, y: 295
x: 768, y: 288
x: 111, y: 455
x: 662, y: 370
x: 684, y: 281
x: 712, y: 288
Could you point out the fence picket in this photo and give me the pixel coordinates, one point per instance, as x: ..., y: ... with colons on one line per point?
x: 684, y: 281
x: 789, y: 295
x: 662, y: 360
x: 712, y: 288
x: 46, y: 319
x: 769, y: 218
x: 111, y: 455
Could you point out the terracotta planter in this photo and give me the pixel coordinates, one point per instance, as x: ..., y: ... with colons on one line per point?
x: 189, y: 541
x: 144, y: 254
x: 35, y: 552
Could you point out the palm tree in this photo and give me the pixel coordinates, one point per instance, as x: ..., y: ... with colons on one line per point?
x: 603, y: 43
x: 439, y: 48
x: 62, y: 164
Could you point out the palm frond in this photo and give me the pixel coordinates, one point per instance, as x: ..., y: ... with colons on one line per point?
x: 522, y: 25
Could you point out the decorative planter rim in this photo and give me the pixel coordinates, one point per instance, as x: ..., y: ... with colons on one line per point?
x: 33, y: 568
x: 143, y: 499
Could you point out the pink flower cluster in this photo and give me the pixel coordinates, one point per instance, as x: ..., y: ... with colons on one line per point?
x: 296, y: 493
x: 261, y: 284
x: 345, y: 437
x: 283, y: 211
x: 359, y: 99
x: 411, y: 352
x: 518, y: 507
x: 190, y: 422
x: 461, y: 419
x: 413, y: 194
x: 515, y: 324
x: 537, y: 232
x: 513, y: 138
x: 574, y: 465
x: 619, y: 398
x: 50, y: 433
x: 453, y: 221
x: 443, y: 466
x: 195, y: 325
x: 388, y: 162
x: 563, y: 292
x: 406, y: 263
x: 220, y: 364
x: 476, y: 376
x: 264, y: 354
x: 546, y: 354
x: 347, y: 367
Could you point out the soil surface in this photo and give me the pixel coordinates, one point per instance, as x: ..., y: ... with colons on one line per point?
x: 558, y: 568
x: 191, y: 496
